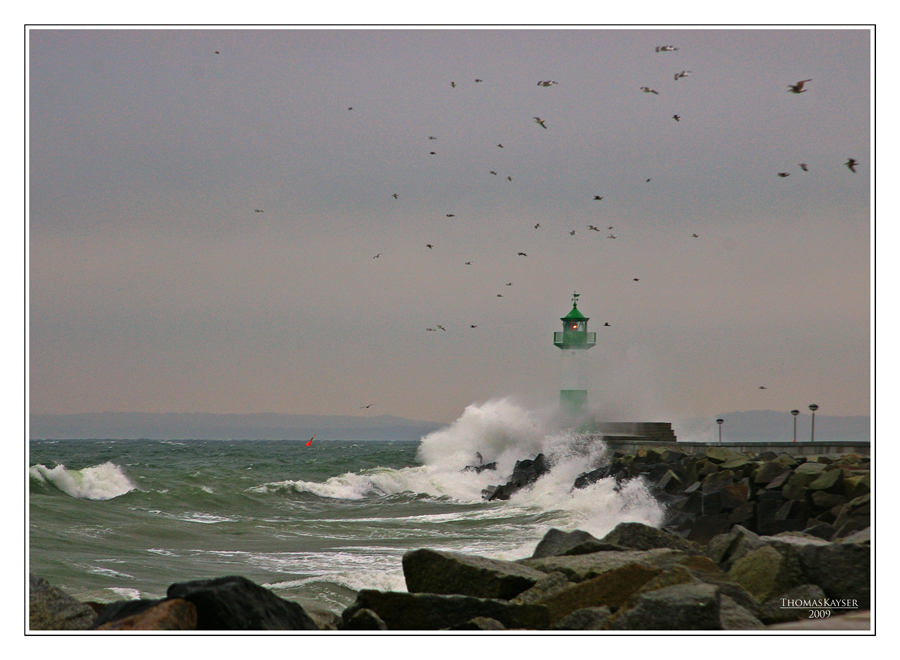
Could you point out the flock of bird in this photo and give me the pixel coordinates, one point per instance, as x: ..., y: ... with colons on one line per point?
x: 799, y: 87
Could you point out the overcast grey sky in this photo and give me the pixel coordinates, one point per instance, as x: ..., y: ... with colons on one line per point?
x: 156, y: 286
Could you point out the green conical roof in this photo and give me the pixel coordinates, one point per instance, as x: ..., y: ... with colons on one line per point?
x: 574, y: 314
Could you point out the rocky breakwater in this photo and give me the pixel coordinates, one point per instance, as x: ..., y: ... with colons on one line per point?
x: 634, y: 578
x: 707, y: 494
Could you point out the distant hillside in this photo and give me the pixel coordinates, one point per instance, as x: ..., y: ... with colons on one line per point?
x: 774, y: 425
x: 207, y: 426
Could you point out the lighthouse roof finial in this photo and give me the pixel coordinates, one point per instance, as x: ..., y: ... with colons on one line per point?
x: 575, y: 299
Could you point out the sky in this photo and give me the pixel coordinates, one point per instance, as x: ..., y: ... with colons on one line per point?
x: 213, y: 227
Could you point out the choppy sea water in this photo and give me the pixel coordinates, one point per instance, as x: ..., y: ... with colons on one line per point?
x: 120, y: 519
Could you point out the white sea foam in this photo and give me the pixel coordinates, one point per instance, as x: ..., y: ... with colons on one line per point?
x: 100, y: 482
x: 503, y: 432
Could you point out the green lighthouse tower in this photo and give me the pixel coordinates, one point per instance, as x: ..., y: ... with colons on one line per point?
x: 574, y: 340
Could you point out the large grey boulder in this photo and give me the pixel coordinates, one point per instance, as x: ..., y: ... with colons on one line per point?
x: 842, y: 570
x: 777, y: 609
x: 639, y: 536
x: 405, y: 611
x: 557, y: 543
x: 236, y: 603
x: 441, y: 572
x: 766, y: 572
x: 578, y: 568
x: 692, y: 606
x: 51, y: 608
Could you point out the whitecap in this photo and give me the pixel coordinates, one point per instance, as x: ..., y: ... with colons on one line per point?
x: 99, y: 482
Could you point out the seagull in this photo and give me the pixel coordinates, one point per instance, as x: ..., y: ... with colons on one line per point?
x: 395, y: 196
x: 509, y: 178
x: 783, y: 174
x: 509, y: 284
x: 649, y: 180
x: 798, y: 88
x: 493, y: 172
x: 683, y: 74
x: 538, y: 120
x: 762, y: 387
x: 676, y: 117
x: 572, y: 233
x: 450, y: 215
x: 258, y: 211
x: 852, y: 163
x: 377, y: 256
x: 473, y: 326
x: 546, y: 83
x: 695, y: 235
x: 665, y: 49
x: 804, y: 167
x: 500, y: 145
x: 429, y: 329
x: 217, y: 52
x: 592, y: 228
x: 432, y: 153
x: 350, y: 108
x: 597, y: 197
x: 537, y: 225
x: 610, y: 227
x: 429, y: 246
x: 649, y: 90
x: 478, y: 80
x: 452, y: 84
x: 468, y: 263
x: 636, y: 279
x: 499, y: 295
x: 611, y: 236
x: 368, y: 406
x: 440, y: 327
x: 522, y: 254
x: 431, y: 137
x: 606, y: 325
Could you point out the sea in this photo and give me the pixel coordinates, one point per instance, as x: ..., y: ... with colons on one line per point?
x: 122, y: 519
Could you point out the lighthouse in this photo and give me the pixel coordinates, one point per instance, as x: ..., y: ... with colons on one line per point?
x: 574, y: 340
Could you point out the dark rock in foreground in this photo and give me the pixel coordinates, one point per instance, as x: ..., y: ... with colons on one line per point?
x: 50, y: 608
x: 236, y: 603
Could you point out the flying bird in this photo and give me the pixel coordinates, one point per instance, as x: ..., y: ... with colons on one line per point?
x: 636, y: 279
x: 537, y: 225
x: 612, y: 236
x: 804, y: 167
x: 440, y: 327
x: 522, y: 254
x: 597, y: 197
x: 493, y: 172
x: 452, y: 84
x: 676, y: 117
x: 473, y: 326
x: 538, y: 120
x: 500, y: 145
x: 499, y: 295
x: 429, y: 246
x: 546, y: 83
x: 783, y: 174
x: 432, y: 153
x: 592, y: 228
x: 509, y: 284
x: 682, y: 74
x: 258, y: 211
x: 852, y: 163
x: 509, y: 178
x: 450, y: 215
x: 665, y: 49
x: 478, y: 80
x: 377, y: 255
x: 695, y: 235
x: 572, y: 233
x: 649, y: 90
x: 368, y: 406
x: 395, y: 196
x: 431, y: 137
x: 648, y: 180
x: 606, y: 325
x: 350, y: 108
x: 798, y: 87
x: 762, y: 387
x: 217, y: 52
x: 468, y: 263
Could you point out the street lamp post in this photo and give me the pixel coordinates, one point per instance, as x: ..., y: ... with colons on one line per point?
x: 812, y: 432
x: 795, y: 413
x: 720, y: 422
